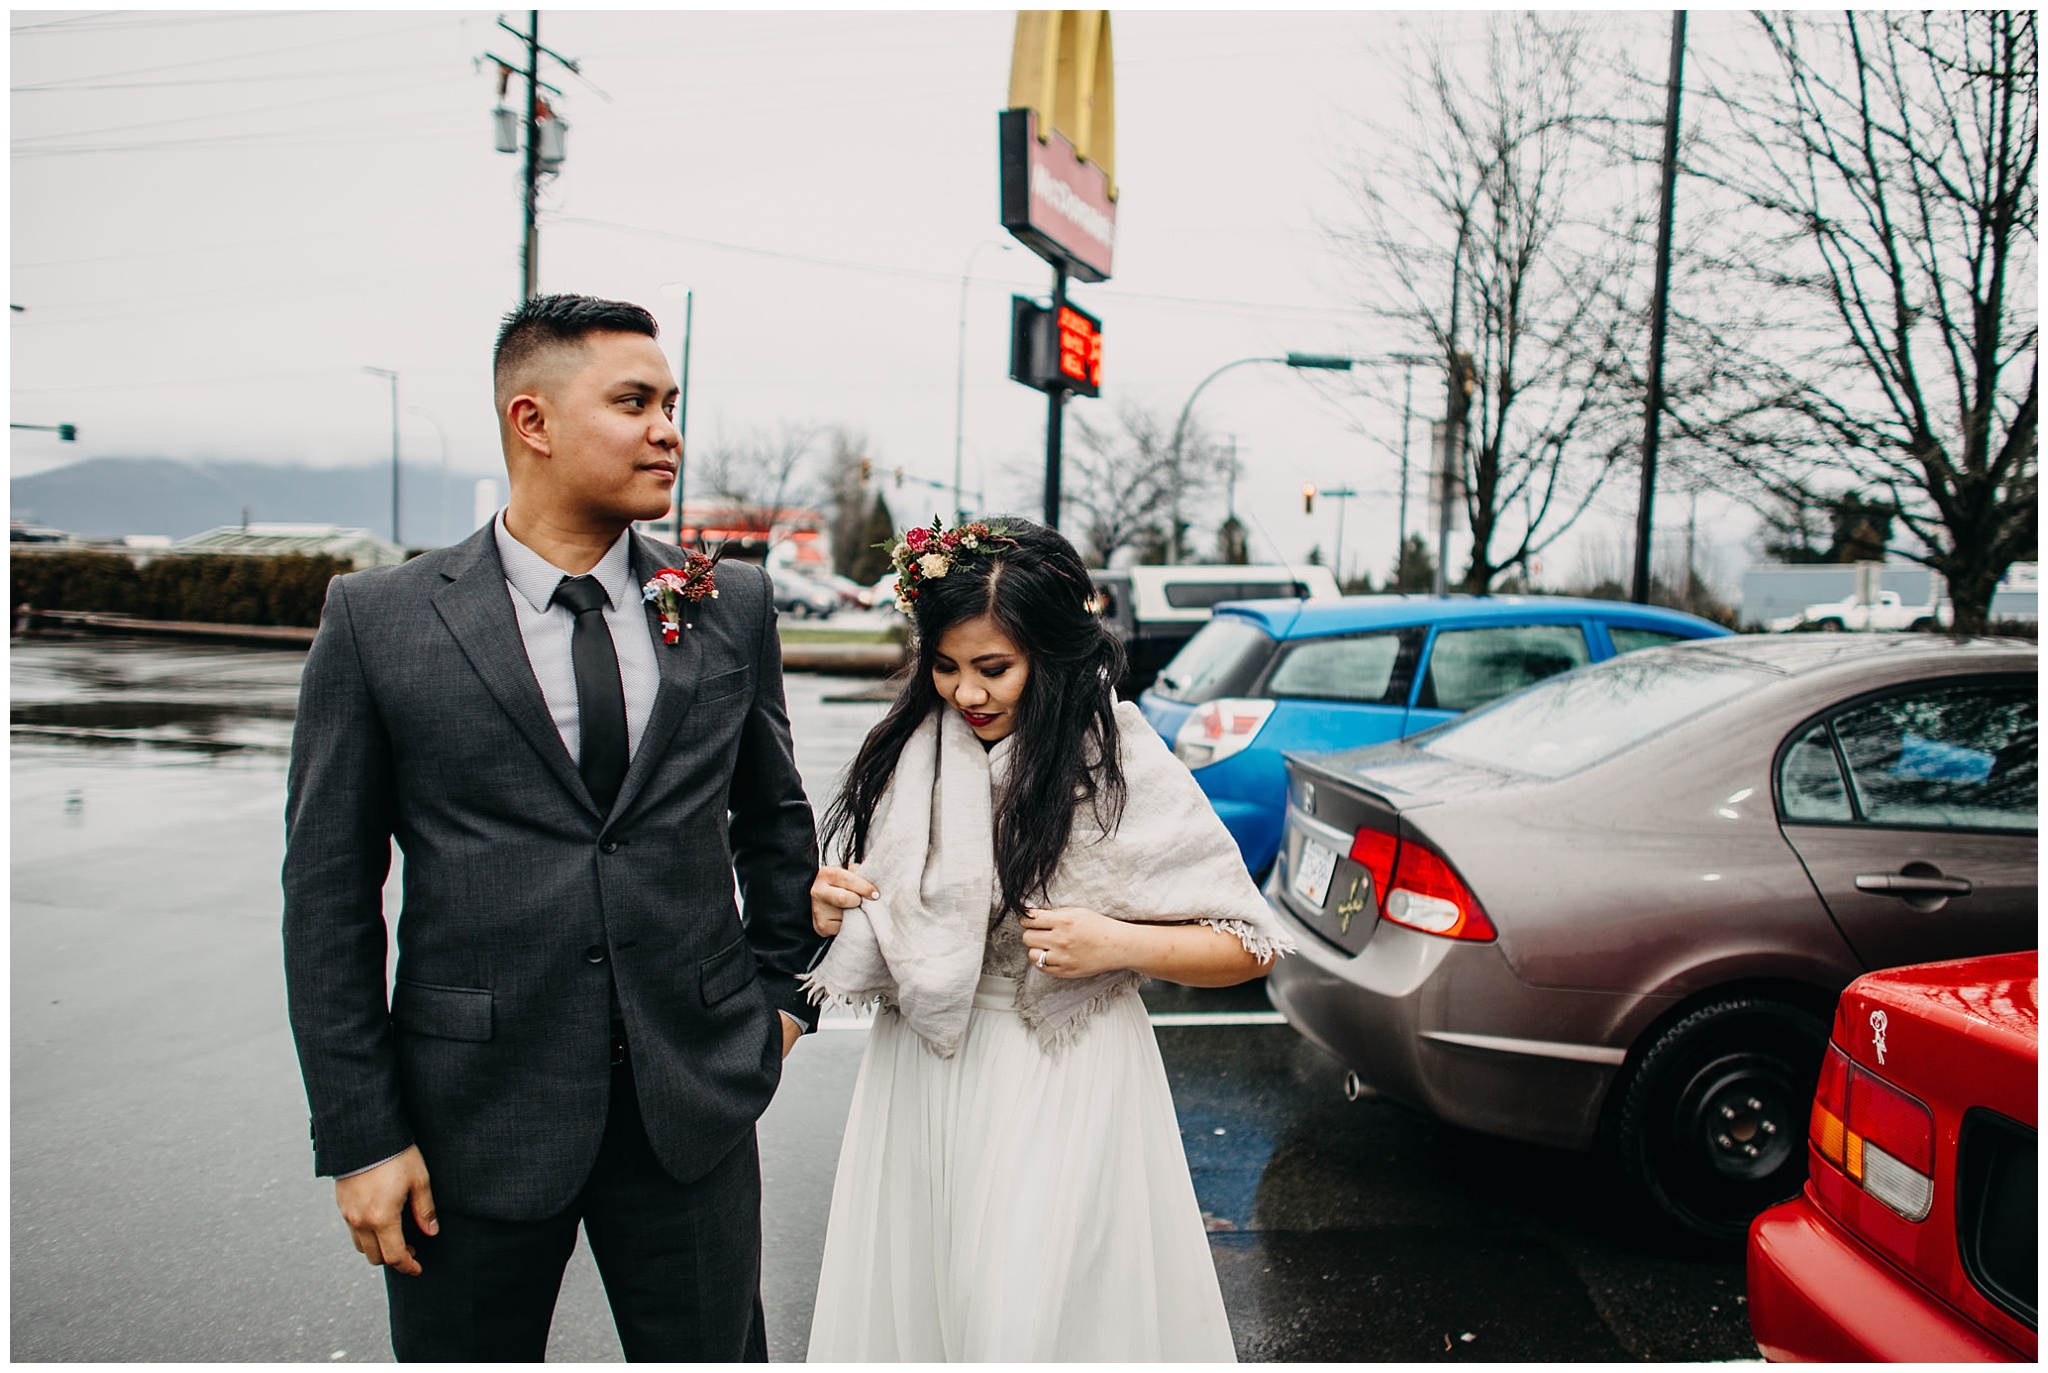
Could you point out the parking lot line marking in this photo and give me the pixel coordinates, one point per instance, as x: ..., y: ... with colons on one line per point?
x: 1171, y: 1019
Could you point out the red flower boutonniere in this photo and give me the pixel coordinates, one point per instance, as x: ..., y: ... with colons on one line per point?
x: 672, y: 587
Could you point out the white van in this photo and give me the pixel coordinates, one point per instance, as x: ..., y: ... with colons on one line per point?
x: 1155, y: 610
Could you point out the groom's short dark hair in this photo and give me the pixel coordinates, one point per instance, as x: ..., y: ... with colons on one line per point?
x: 550, y: 321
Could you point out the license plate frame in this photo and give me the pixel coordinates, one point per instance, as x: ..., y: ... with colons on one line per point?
x: 1313, y: 871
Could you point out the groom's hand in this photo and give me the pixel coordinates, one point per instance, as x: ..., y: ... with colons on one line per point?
x: 374, y: 1202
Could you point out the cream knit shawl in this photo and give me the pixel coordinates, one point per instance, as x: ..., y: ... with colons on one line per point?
x: 918, y: 945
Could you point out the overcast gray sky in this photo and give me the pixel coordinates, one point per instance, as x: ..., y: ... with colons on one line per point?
x: 219, y: 219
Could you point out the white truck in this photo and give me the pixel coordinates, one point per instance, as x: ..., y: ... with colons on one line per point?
x: 1885, y: 610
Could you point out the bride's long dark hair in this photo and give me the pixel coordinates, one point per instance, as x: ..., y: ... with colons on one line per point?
x: 1032, y: 583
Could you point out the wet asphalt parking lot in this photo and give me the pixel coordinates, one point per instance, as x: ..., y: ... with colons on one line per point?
x: 163, y: 1203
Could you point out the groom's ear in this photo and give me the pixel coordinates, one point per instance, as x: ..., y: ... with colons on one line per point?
x: 527, y: 424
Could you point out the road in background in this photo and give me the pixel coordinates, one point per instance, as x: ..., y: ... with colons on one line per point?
x: 163, y: 1201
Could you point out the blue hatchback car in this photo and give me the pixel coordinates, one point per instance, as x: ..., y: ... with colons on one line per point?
x: 1267, y: 678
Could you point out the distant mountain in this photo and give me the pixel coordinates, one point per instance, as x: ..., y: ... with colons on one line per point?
x: 106, y: 497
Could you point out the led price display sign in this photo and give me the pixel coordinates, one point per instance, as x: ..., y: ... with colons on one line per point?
x: 1080, y: 351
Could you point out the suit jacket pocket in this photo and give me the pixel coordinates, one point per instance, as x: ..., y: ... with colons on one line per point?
x: 444, y: 1012
x: 722, y: 685
x: 726, y: 971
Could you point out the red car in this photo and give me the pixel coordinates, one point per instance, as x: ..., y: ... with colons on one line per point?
x: 1915, y: 1237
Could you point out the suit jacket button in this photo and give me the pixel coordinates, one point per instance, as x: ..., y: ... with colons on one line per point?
x: 594, y: 954
x: 608, y: 846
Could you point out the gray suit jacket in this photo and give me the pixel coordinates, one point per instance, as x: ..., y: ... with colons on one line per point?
x: 420, y: 719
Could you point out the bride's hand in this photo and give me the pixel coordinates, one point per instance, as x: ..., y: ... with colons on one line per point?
x: 837, y: 891
x: 1073, y: 941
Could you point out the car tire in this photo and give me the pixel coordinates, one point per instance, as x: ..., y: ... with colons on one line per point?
x: 1831, y: 627
x: 1711, y: 1129
x: 1924, y: 625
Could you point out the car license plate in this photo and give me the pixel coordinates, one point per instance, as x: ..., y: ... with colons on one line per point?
x: 1312, y: 873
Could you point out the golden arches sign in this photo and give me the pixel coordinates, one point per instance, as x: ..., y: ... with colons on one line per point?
x: 1061, y: 68
x: 1058, y: 140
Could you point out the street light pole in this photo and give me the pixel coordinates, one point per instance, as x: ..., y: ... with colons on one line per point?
x: 1304, y: 361
x: 392, y: 377
x: 440, y: 437
x: 960, y: 370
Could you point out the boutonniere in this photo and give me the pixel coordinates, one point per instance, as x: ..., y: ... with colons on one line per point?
x: 673, y: 587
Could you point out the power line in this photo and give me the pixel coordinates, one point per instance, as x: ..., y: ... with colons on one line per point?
x: 327, y: 42
x: 923, y: 274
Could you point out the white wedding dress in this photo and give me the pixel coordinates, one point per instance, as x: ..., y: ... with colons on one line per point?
x: 1007, y: 1205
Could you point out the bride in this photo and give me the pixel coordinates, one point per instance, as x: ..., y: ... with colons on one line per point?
x: 1020, y: 852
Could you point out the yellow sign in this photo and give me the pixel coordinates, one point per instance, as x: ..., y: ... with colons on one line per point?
x: 1061, y: 68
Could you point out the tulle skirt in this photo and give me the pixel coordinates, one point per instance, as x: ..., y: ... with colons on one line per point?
x: 1004, y: 1205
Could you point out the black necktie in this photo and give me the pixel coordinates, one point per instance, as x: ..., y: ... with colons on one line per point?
x: 600, y: 699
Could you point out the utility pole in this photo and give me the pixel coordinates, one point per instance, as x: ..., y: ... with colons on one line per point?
x: 1055, y: 399
x: 1457, y: 404
x: 683, y: 411
x: 1653, y: 400
x: 529, y: 249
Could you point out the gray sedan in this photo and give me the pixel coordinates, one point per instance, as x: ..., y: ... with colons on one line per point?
x: 1615, y: 909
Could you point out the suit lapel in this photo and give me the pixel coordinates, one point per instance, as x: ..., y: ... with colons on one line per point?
x: 476, y: 605
x: 680, y: 665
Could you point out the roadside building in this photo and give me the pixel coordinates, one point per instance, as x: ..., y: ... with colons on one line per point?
x: 358, y: 546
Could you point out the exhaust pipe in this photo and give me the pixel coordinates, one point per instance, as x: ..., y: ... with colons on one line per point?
x: 1357, y: 1090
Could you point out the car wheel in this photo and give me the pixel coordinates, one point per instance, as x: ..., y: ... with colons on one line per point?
x: 1712, y: 1125
x: 1923, y: 625
x: 1831, y: 627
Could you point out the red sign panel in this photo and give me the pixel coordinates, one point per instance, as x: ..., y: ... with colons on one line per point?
x: 1080, y: 342
x: 1056, y: 203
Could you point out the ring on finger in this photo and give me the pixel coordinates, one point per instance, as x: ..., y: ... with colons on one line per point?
x: 1039, y: 958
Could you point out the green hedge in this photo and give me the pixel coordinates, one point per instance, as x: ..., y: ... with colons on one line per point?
x: 210, y: 588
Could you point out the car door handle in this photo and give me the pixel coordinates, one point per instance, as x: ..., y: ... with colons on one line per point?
x: 1898, y: 884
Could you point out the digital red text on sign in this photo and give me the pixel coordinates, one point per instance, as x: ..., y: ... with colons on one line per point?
x: 1080, y: 347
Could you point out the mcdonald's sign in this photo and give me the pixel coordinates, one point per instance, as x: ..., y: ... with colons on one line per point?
x: 1058, y: 140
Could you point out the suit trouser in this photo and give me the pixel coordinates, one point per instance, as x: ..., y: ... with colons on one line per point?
x: 681, y: 1262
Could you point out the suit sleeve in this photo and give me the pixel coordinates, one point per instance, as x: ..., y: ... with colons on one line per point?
x: 339, y: 808
x: 774, y: 837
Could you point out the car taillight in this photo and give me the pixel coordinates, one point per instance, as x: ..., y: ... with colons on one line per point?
x: 1830, y: 1106
x: 1880, y: 1138
x: 1219, y: 729
x: 1417, y: 888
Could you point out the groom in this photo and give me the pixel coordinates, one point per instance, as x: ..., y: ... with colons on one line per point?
x: 582, y: 1027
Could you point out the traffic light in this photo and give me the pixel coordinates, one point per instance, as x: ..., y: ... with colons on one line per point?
x: 899, y: 479
x: 67, y: 433
x: 867, y: 470
x: 1308, y: 498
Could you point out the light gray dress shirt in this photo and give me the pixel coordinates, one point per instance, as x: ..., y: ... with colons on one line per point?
x: 547, y: 630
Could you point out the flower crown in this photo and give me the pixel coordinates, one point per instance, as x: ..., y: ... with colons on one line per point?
x: 930, y: 552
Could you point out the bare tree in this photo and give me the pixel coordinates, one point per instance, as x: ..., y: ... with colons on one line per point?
x: 1885, y: 163
x: 1122, y: 480
x: 1509, y: 232
x: 762, y: 477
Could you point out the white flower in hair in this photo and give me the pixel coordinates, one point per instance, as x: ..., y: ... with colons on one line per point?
x: 934, y: 564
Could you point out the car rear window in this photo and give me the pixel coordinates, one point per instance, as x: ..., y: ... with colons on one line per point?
x: 1359, y: 668
x: 1223, y: 659
x: 1569, y: 723
x: 1202, y: 595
